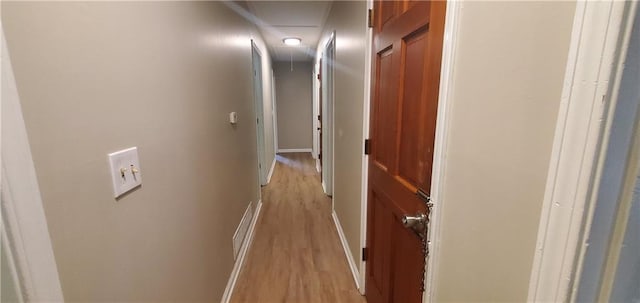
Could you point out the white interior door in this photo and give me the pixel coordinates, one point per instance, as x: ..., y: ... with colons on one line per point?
x: 258, y: 99
x: 327, y: 115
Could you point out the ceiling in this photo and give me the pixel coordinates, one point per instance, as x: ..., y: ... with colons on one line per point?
x: 277, y: 20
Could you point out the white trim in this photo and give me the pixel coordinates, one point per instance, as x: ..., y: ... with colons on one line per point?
x: 273, y: 166
x: 258, y: 103
x: 324, y: 189
x: 332, y: 118
x: 247, y: 217
x: 237, y: 267
x: 314, y: 115
x: 274, y: 112
x: 11, y: 264
x: 598, y: 251
x: 328, y: 113
x: 364, y: 182
x: 581, y: 117
x: 23, y: 216
x: 295, y: 150
x: 347, y: 251
x: 445, y: 99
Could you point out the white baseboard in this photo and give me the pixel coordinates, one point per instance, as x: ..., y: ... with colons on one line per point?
x: 273, y: 165
x: 318, y: 165
x: 324, y: 188
x: 347, y: 251
x: 242, y: 230
x: 228, y: 291
x: 295, y: 150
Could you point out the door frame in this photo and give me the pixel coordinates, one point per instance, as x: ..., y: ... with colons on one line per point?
x: 274, y: 115
x: 259, y: 110
x: 597, y: 273
x: 576, y: 157
x: 445, y: 98
x: 314, y: 112
x: 317, y: 114
x: 24, y: 225
x: 327, y: 113
x: 366, y: 112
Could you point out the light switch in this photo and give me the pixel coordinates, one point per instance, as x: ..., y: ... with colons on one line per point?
x: 126, y: 173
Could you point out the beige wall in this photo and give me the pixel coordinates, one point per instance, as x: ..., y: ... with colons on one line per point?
x: 348, y: 19
x: 94, y: 78
x: 293, y: 99
x: 507, y: 81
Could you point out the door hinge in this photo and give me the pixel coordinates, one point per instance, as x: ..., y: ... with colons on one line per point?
x: 367, y: 146
x: 365, y: 254
x: 370, y: 18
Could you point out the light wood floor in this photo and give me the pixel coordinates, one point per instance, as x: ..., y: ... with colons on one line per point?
x: 296, y: 255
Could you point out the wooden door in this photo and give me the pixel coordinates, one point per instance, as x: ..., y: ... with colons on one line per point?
x: 408, y: 39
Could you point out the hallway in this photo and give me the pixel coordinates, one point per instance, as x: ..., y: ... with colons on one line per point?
x: 296, y: 254
x: 471, y: 151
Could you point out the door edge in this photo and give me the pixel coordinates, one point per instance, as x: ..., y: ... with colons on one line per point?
x: 445, y: 98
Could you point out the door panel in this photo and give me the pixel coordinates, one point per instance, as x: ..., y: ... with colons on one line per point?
x: 385, y: 113
x: 407, y: 277
x: 408, y: 44
x: 388, y: 11
x: 381, y: 219
x: 412, y: 160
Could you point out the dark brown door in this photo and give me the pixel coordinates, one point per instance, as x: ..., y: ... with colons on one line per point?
x: 408, y: 48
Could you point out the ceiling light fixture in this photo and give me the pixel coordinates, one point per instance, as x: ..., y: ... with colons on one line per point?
x: 292, y: 41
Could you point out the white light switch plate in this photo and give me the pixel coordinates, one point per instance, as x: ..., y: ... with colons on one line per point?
x: 126, y: 173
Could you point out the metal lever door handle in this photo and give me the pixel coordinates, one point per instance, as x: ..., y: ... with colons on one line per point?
x: 417, y: 223
x: 411, y: 221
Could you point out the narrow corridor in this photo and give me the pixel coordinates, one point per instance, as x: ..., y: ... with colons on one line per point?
x: 296, y: 255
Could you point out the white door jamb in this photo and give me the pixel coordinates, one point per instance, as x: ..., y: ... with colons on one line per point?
x: 445, y: 99
x: 575, y: 155
x: 23, y: 217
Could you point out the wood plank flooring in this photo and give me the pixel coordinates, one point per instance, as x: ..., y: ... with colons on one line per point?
x: 296, y: 255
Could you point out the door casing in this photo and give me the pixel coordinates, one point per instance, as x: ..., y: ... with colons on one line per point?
x: 256, y: 64
x: 327, y: 111
x: 575, y: 163
x: 24, y: 229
